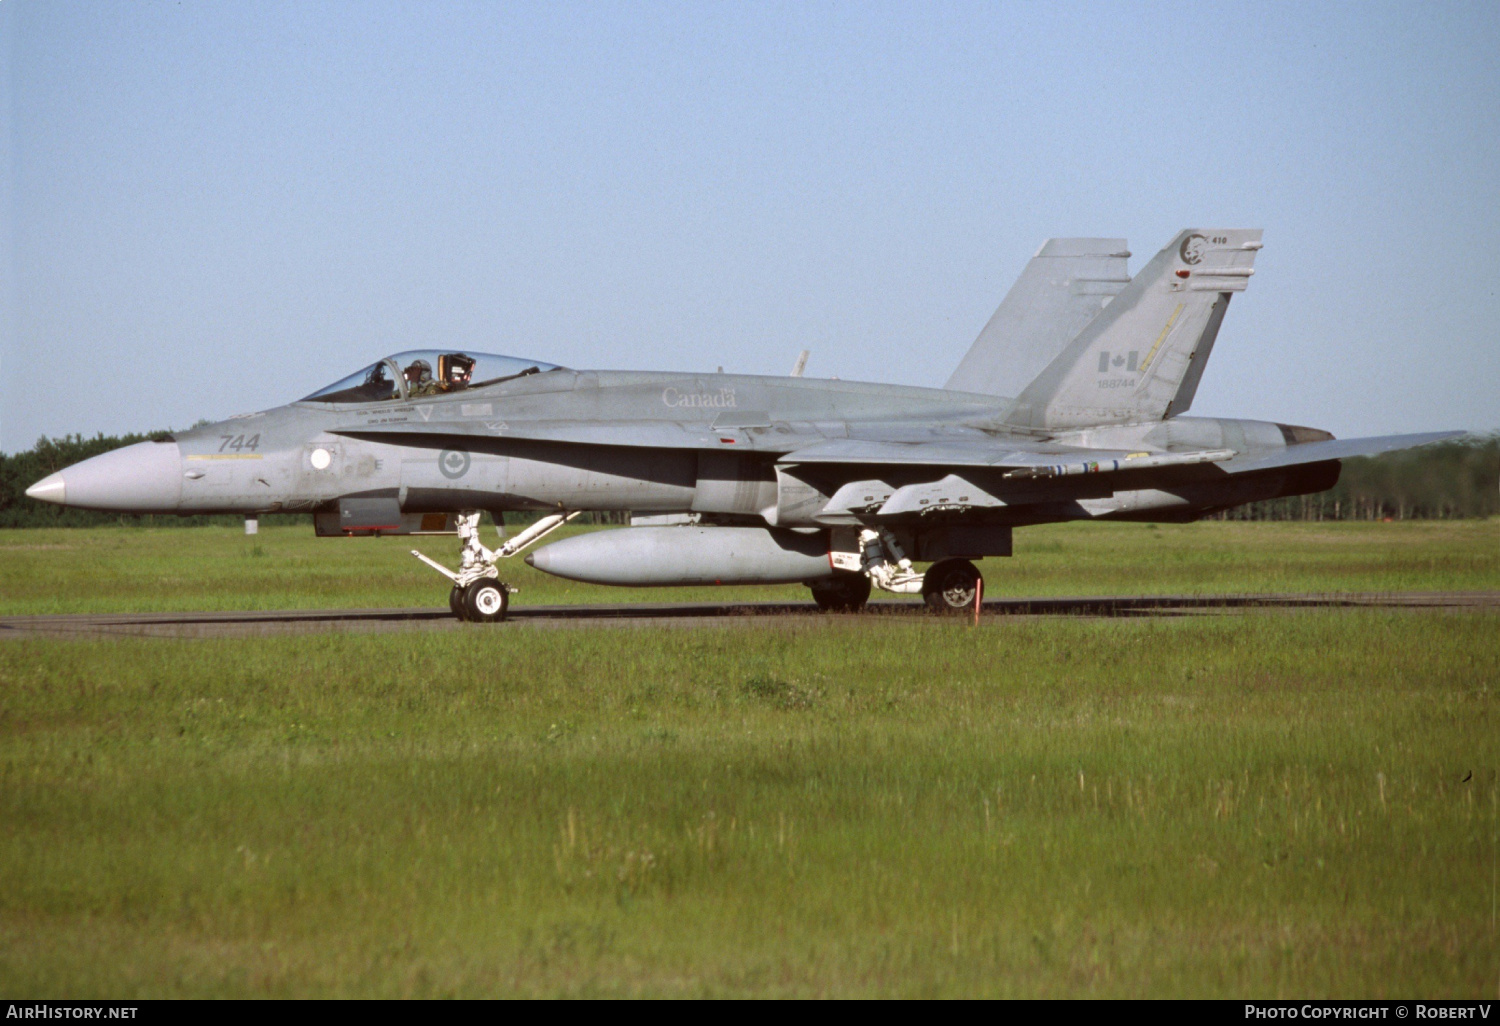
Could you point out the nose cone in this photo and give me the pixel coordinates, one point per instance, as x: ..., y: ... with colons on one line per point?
x: 49, y: 489
x: 141, y: 478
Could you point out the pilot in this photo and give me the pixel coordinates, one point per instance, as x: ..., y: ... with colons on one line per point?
x: 455, y: 369
x: 419, y: 379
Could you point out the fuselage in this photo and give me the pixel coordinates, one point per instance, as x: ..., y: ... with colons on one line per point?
x: 637, y: 441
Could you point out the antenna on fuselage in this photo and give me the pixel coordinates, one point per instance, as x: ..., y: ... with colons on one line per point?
x: 801, y: 364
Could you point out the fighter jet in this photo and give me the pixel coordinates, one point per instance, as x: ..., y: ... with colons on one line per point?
x: 1069, y: 406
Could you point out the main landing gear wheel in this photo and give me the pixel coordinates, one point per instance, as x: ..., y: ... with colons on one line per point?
x: 950, y: 586
x: 485, y: 601
x: 846, y: 593
x: 456, y: 602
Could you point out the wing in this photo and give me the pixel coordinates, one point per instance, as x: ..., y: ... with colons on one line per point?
x: 957, y: 475
x: 1050, y: 460
x: 963, y: 475
x: 1028, y: 459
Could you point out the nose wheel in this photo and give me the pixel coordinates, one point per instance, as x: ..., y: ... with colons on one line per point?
x: 485, y: 601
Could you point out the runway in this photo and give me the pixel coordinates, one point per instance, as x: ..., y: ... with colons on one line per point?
x: 95, y: 626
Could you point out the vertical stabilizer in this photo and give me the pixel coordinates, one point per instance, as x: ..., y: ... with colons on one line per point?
x: 1064, y: 286
x: 1142, y: 357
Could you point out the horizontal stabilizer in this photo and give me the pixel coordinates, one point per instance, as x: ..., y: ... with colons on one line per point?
x: 1334, y: 449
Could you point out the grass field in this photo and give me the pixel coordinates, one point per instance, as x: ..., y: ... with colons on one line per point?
x: 1267, y: 804
x: 179, y: 569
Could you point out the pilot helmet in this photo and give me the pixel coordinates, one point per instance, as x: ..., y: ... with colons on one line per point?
x: 419, y: 370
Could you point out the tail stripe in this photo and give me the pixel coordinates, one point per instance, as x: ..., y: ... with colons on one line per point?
x: 1151, y: 354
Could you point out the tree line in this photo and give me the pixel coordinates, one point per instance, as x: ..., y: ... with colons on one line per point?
x: 1453, y: 479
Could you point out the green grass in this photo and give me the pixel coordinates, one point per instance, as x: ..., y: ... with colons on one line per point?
x: 1260, y: 805
x: 1268, y: 804
x: 211, y: 568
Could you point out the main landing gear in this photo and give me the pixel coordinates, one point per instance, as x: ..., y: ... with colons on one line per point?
x: 948, y: 586
x: 478, y: 595
x: 844, y: 593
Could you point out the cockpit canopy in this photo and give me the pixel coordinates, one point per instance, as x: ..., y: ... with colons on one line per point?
x: 419, y: 372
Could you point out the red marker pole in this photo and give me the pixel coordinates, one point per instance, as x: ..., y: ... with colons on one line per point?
x: 978, y: 599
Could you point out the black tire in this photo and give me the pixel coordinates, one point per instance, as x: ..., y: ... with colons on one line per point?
x: 456, y: 603
x: 949, y: 586
x: 485, y: 601
x: 845, y: 593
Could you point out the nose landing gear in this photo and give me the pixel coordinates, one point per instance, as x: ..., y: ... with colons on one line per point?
x: 478, y: 595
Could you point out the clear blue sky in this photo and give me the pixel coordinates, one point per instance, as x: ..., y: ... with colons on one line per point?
x: 214, y: 207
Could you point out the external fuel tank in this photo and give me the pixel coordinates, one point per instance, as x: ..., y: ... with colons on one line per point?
x: 688, y: 555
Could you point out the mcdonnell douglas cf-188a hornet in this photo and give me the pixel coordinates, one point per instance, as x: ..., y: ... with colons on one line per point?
x: 734, y: 479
